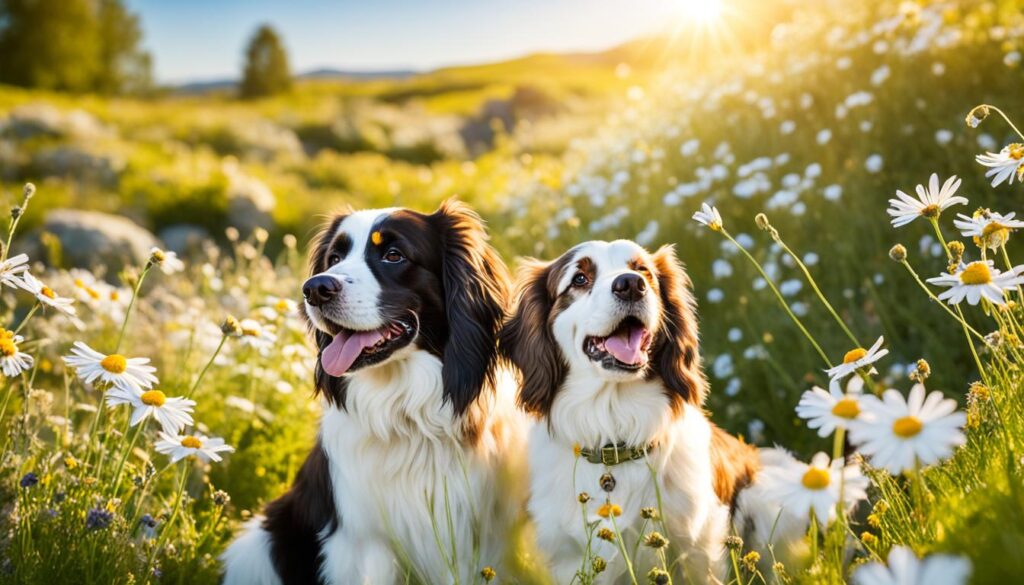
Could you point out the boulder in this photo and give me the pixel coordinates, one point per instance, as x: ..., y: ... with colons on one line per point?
x: 250, y: 201
x: 184, y: 238
x: 39, y: 119
x: 79, y: 162
x: 90, y: 239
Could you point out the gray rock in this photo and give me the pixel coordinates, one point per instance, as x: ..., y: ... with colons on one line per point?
x: 184, y: 238
x: 250, y: 201
x: 79, y: 163
x: 89, y: 239
x: 39, y: 119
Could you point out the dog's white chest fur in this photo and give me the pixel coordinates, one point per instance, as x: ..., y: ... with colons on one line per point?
x: 401, y: 475
x: 679, y: 470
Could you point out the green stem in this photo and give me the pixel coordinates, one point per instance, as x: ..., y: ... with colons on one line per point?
x: 1003, y: 115
x: 817, y: 291
x: 167, y: 525
x: 124, y: 458
x: 941, y: 303
x: 781, y: 299
x: 202, y: 372
x: 28, y: 316
x: 131, y: 303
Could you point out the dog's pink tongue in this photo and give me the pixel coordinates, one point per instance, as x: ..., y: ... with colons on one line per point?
x: 343, y: 350
x: 627, y: 346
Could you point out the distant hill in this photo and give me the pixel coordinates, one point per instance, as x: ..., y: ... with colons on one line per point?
x: 222, y: 84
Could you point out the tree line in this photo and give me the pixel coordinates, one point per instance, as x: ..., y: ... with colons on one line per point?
x: 95, y: 46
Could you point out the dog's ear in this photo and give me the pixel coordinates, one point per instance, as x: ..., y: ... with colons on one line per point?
x: 476, y: 285
x: 331, y: 388
x: 527, y: 341
x: 677, y: 355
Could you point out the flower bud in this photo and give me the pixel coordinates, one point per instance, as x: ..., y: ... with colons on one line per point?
x: 30, y: 191
x: 231, y: 326
x: 898, y: 253
x: 977, y: 115
x: 762, y: 221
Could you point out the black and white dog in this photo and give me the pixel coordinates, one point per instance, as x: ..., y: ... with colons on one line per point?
x: 606, y: 339
x: 411, y: 477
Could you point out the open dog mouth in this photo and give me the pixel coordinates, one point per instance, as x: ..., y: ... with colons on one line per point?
x: 351, y: 350
x: 625, y: 348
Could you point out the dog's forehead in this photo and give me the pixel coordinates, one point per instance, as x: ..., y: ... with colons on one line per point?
x: 359, y: 226
x: 609, y: 255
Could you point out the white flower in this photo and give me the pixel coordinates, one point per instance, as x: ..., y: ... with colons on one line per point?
x: 46, y: 295
x: 168, y: 262
x: 976, y: 280
x: 127, y: 374
x: 856, y: 359
x: 906, y: 569
x: 12, y: 268
x: 173, y: 414
x: 177, y: 447
x: 277, y: 307
x: 988, y: 228
x: 804, y: 489
x: 1009, y: 162
x: 827, y: 411
x: 930, y: 202
x: 900, y: 434
x: 12, y: 361
x: 256, y: 336
x: 709, y: 216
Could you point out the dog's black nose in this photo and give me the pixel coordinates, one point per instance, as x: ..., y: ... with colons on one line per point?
x: 321, y: 289
x: 629, y: 287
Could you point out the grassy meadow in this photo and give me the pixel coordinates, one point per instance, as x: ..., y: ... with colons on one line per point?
x: 814, y: 117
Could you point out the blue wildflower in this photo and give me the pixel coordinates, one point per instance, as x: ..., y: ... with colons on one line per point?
x: 29, y: 479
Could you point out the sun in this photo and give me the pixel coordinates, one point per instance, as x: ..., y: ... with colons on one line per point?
x: 700, y: 11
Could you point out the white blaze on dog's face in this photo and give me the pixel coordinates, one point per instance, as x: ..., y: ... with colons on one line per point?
x: 608, y: 309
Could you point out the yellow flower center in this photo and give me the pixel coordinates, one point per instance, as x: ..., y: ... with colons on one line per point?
x: 79, y: 283
x: 907, y: 427
x: 816, y: 479
x: 847, y: 408
x: 607, y: 510
x: 95, y: 294
x: 1016, y: 151
x: 191, y: 442
x: 281, y: 306
x: 251, y: 331
x: 854, y: 355
x: 114, y: 363
x: 7, y: 347
x: 993, y: 227
x: 930, y: 210
x: 48, y: 292
x: 114, y: 295
x: 153, y: 398
x: 976, y: 273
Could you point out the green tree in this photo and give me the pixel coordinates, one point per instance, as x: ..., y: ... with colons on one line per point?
x: 266, y: 65
x: 72, y: 45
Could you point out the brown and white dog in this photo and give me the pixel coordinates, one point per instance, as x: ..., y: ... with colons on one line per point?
x: 606, y: 340
x: 420, y: 432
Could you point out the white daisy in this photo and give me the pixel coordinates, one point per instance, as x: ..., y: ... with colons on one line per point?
x: 12, y: 269
x: 827, y: 411
x: 977, y: 280
x: 128, y: 374
x: 709, y: 216
x: 275, y: 307
x: 177, y: 447
x: 988, y: 228
x: 46, y: 295
x: 930, y: 202
x: 1009, y: 162
x: 12, y: 361
x: 906, y: 569
x: 256, y: 335
x: 856, y: 359
x: 899, y: 434
x: 173, y: 414
x: 804, y: 489
x: 167, y: 262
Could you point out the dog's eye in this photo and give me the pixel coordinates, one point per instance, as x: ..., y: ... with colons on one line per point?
x: 393, y: 256
x: 333, y: 259
x: 580, y: 279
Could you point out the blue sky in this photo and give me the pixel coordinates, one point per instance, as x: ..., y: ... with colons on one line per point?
x: 203, y: 39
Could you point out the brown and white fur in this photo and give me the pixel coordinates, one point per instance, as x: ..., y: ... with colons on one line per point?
x: 419, y: 431
x: 646, y: 387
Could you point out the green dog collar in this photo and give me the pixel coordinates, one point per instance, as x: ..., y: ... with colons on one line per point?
x: 611, y: 455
